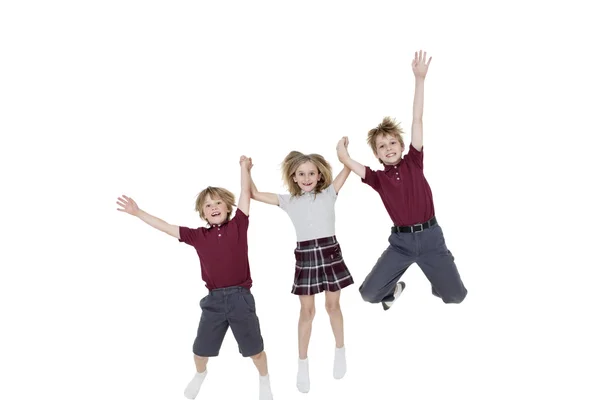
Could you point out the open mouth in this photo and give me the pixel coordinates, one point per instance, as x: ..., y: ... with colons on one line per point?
x: 390, y: 155
x: 215, y: 214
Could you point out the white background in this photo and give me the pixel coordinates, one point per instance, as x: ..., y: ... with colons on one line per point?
x: 158, y: 100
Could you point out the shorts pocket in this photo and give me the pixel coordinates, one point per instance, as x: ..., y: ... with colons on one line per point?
x: 249, y: 301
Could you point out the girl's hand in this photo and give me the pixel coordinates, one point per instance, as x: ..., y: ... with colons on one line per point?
x: 246, y: 162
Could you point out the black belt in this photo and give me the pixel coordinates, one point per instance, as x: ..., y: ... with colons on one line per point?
x: 416, y: 227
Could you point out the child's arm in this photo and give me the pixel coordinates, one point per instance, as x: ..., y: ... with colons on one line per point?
x: 269, y: 198
x: 419, y: 67
x: 344, y: 157
x: 244, y: 203
x: 130, y: 207
x: 340, y: 179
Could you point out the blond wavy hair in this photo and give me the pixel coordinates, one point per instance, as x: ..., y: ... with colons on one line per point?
x: 291, y: 163
x: 387, y: 127
x: 215, y: 193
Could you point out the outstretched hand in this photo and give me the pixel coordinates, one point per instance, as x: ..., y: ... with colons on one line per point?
x: 246, y: 162
x: 127, y: 205
x: 419, y: 65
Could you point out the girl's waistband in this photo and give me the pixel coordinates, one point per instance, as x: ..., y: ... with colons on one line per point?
x: 325, y: 241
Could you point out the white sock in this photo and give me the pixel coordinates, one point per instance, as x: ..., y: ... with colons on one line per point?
x: 339, y: 363
x: 192, y: 389
x: 303, y: 380
x: 264, y: 388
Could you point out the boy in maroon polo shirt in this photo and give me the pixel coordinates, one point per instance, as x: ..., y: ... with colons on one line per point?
x: 223, y: 251
x: 416, y: 236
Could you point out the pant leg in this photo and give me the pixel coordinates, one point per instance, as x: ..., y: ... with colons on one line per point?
x: 212, y: 327
x: 390, y: 266
x: 244, y: 323
x: 437, y: 263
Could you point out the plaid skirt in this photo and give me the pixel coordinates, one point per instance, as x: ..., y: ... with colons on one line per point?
x: 319, y: 267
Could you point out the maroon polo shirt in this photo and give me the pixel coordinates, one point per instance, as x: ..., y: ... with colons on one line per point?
x: 223, y: 252
x: 404, y: 190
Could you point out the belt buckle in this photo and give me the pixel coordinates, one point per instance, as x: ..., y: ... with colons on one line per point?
x: 420, y: 230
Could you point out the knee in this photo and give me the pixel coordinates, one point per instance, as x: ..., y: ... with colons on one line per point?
x: 200, y: 359
x: 368, y: 295
x: 457, y: 299
x: 332, y: 307
x: 307, y: 314
x: 259, y: 356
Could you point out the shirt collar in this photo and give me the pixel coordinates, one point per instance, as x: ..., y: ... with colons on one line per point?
x: 389, y: 167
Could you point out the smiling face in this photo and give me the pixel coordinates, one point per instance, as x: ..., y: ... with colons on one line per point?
x: 388, y: 149
x: 306, y: 176
x: 214, y: 210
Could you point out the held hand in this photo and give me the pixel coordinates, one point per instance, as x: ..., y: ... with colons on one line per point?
x: 419, y: 66
x: 127, y: 205
x: 246, y: 162
x: 342, y: 148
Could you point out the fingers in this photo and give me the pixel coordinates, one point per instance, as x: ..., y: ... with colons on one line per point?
x: 420, y: 58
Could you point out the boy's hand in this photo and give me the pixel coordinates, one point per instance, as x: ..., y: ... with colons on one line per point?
x: 127, y: 205
x: 246, y: 162
x: 419, y: 66
x: 342, y: 148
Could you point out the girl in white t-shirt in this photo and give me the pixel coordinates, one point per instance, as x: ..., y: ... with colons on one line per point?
x: 320, y: 267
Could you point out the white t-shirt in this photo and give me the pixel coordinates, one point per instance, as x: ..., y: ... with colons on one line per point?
x: 312, y: 216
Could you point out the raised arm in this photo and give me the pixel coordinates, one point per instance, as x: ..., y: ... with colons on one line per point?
x: 344, y: 157
x: 244, y: 202
x: 269, y: 198
x: 340, y: 179
x: 129, y: 206
x: 419, y: 67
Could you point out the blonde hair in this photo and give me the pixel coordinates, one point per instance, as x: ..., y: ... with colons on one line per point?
x: 387, y: 127
x: 291, y: 163
x: 215, y: 193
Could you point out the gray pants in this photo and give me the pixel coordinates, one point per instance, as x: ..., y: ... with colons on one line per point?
x: 428, y: 249
x: 223, y: 308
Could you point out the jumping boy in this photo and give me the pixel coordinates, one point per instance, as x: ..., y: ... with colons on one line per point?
x: 416, y: 236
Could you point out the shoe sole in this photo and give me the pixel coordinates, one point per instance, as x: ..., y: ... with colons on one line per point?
x: 385, y: 306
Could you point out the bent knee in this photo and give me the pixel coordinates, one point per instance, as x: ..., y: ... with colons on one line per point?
x: 457, y: 299
x: 369, y: 296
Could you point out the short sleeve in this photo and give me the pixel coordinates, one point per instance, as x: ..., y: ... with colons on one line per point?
x: 415, y: 156
x: 241, y: 220
x: 284, y: 201
x: 188, y: 235
x: 330, y: 192
x: 371, y: 178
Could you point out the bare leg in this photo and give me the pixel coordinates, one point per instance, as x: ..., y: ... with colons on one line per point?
x: 192, y: 389
x: 332, y: 305
x: 260, y: 361
x: 307, y: 314
x: 200, y: 363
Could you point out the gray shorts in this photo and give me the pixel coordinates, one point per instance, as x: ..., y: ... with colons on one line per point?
x: 221, y: 308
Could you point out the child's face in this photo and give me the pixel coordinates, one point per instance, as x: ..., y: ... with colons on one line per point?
x: 306, y: 176
x: 215, y: 210
x: 389, y: 149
